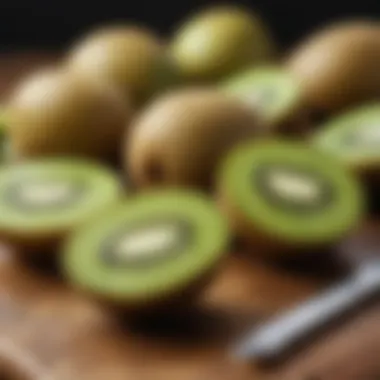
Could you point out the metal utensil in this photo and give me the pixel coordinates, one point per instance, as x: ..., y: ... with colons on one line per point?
x: 278, y: 336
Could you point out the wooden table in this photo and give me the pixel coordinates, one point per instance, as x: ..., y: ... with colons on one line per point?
x: 49, y: 332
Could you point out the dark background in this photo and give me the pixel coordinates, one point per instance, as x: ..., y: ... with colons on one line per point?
x: 50, y: 24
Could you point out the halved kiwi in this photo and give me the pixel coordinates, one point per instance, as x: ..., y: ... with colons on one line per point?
x: 273, y: 92
x: 148, y: 250
x: 41, y: 201
x: 353, y: 137
x: 284, y: 196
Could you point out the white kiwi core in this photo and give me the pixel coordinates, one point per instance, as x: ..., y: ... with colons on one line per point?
x: 46, y: 194
x: 148, y: 242
x: 294, y: 186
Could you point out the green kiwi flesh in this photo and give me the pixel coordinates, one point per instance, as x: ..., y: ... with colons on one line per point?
x: 269, y: 89
x: 146, y: 249
x: 353, y: 137
x: 285, y: 192
x: 42, y: 200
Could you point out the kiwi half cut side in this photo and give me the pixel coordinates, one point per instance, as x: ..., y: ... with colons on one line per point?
x: 41, y: 201
x: 147, y: 251
x: 274, y: 93
x: 282, y: 196
x: 353, y: 137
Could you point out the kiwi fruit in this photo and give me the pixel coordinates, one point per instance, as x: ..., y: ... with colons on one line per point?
x: 148, y: 252
x: 43, y: 200
x: 274, y: 93
x: 180, y: 138
x: 283, y: 198
x: 354, y: 138
x: 219, y: 40
x: 54, y: 113
x: 132, y: 58
x: 337, y: 67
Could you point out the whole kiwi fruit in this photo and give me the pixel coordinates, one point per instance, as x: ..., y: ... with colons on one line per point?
x: 55, y: 113
x: 179, y: 139
x: 339, y: 66
x: 130, y: 57
x: 219, y: 40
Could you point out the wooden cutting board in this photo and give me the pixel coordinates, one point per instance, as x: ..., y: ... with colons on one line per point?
x: 50, y: 332
x: 47, y: 331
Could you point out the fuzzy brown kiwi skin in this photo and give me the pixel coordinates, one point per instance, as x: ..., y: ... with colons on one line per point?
x: 197, y: 127
x: 338, y: 66
x: 131, y: 60
x: 297, y: 123
x: 175, y: 302
x: 83, y: 116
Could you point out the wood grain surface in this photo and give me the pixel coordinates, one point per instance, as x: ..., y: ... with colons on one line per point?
x: 47, y: 331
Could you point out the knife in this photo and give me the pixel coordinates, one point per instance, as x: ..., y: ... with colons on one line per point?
x: 276, y: 337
